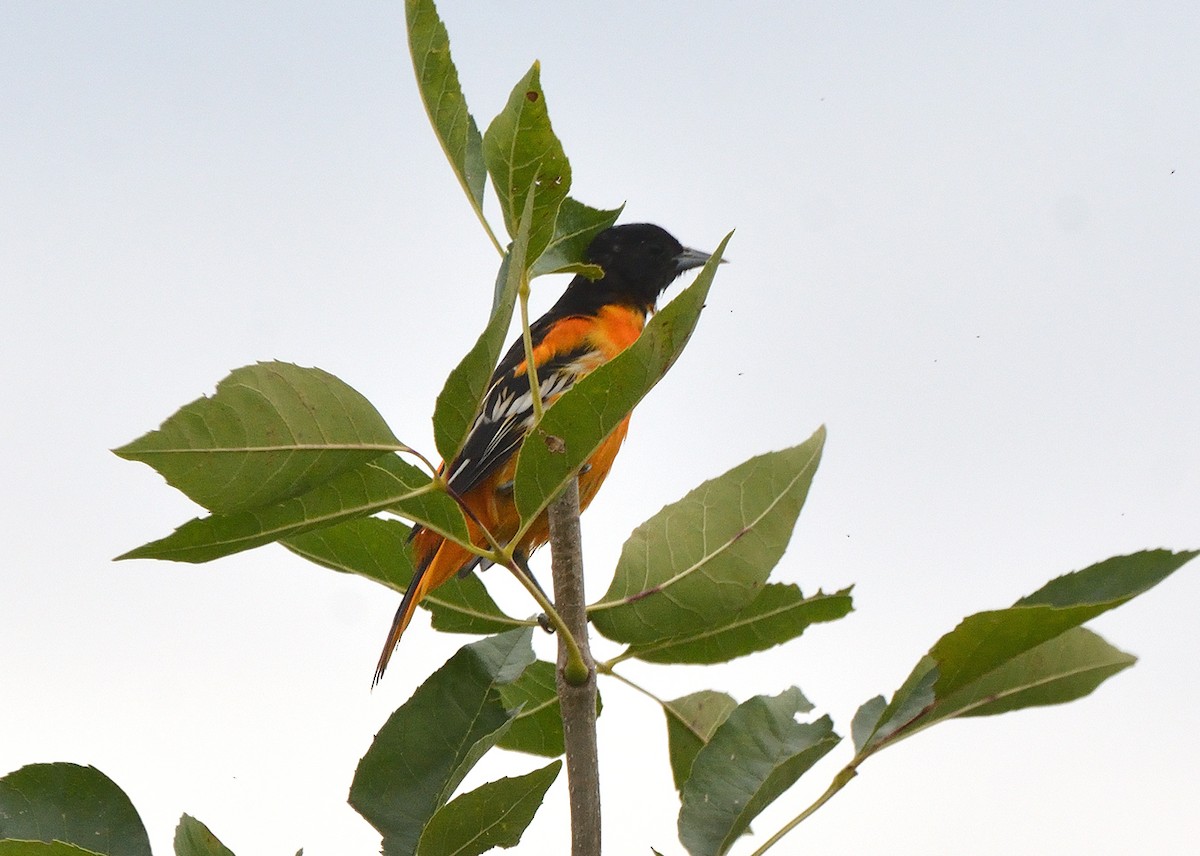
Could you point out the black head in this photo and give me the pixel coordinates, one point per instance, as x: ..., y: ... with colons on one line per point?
x: 639, y: 261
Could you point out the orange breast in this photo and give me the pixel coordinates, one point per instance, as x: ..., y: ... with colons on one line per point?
x: 617, y: 327
x: 610, y: 331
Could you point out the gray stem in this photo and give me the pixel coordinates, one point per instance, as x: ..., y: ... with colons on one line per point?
x: 578, y: 703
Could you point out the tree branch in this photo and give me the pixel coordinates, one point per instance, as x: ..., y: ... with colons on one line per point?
x: 576, y: 692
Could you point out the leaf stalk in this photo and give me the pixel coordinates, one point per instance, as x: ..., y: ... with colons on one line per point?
x: 839, y: 781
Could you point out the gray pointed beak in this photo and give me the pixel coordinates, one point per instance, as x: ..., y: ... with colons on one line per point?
x: 689, y: 258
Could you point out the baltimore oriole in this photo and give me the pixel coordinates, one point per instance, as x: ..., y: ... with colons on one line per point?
x: 590, y: 324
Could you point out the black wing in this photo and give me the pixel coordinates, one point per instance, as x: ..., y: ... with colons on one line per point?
x: 507, y: 412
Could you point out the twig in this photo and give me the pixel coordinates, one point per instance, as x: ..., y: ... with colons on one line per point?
x: 839, y: 781
x: 576, y: 686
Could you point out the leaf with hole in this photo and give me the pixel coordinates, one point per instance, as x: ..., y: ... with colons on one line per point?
x: 755, y: 755
x: 522, y: 153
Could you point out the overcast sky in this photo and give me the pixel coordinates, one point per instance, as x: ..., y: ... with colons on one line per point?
x: 966, y: 242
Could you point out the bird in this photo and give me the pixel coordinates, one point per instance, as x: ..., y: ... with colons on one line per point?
x: 592, y: 322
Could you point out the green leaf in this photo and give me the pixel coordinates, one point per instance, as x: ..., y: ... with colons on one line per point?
x: 271, y: 431
x: 1109, y: 583
x: 915, y: 697
x: 753, y: 757
x: 495, y: 814
x: 538, y: 728
x: 1066, y: 668
x: 442, y: 95
x: 589, y: 411
x: 1032, y: 653
x: 576, y: 226
x: 388, y: 483
x: 193, y: 838
x: 697, y: 563
x: 369, y: 547
x: 987, y: 639
x: 10, y: 847
x: 465, y: 388
x: 522, y: 153
x: 866, y: 720
x: 778, y: 614
x: 379, y: 550
x: 463, y: 605
x: 433, y: 740
x: 691, y: 721
x: 74, y: 805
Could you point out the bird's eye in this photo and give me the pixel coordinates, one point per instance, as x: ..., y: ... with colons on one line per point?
x: 655, y: 250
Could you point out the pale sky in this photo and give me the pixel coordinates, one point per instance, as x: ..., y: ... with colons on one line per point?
x: 966, y: 242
